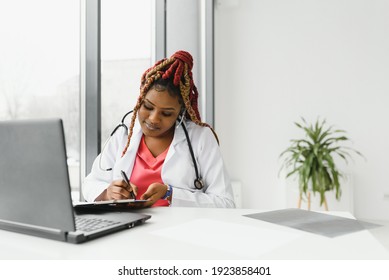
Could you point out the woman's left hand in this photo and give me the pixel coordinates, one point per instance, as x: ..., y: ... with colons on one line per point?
x: 154, y: 192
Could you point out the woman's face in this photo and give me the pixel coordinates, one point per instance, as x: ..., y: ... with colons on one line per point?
x: 158, y: 113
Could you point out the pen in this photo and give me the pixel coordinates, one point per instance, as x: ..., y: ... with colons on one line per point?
x: 125, y: 178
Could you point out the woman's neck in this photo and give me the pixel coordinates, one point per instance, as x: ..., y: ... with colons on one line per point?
x: 157, y: 145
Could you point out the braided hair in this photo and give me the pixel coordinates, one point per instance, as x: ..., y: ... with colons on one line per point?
x: 178, y: 70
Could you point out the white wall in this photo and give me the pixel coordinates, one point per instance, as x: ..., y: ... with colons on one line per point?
x: 282, y: 59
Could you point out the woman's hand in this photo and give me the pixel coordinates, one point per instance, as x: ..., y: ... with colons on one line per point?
x: 118, y: 189
x: 154, y: 192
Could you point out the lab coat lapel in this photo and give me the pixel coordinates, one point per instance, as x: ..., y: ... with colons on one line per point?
x: 179, y: 136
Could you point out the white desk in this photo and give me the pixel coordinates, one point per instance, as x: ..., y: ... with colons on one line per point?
x: 195, y: 234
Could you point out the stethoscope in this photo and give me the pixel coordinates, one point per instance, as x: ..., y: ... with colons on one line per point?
x: 198, y: 182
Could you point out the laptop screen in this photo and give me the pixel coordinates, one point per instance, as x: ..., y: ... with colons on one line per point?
x: 34, y: 181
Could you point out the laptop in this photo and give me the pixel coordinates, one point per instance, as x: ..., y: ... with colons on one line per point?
x: 35, y: 193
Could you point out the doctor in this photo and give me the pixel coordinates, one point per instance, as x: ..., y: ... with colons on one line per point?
x: 169, y: 156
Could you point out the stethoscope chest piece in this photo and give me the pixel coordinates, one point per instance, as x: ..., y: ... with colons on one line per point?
x: 198, y: 184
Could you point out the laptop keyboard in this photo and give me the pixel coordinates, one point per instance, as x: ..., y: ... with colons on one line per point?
x: 91, y: 224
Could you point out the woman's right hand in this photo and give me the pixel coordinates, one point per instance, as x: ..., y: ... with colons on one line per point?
x: 118, y: 189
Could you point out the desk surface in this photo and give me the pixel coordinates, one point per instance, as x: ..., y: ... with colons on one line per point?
x: 195, y: 234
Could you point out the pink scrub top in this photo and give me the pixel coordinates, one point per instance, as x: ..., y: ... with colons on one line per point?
x: 147, y: 170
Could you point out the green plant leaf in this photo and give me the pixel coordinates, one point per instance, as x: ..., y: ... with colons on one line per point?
x: 312, y: 158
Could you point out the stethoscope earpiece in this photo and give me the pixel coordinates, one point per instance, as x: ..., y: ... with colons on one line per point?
x: 181, y: 119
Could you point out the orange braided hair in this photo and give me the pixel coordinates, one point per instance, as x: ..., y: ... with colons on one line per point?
x: 178, y: 68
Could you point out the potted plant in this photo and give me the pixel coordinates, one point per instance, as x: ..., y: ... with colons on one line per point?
x: 312, y: 160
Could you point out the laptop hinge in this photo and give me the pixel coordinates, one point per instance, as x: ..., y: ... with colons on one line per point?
x: 39, y: 231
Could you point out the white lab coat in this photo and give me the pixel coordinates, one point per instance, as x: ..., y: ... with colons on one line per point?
x: 177, y: 171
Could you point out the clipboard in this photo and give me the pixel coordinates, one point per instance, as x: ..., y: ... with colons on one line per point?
x: 111, y: 205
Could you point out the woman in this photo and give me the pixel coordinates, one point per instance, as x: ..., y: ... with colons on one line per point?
x: 155, y: 153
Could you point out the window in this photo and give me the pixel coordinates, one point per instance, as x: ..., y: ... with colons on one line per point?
x: 125, y: 54
x: 39, y: 69
x: 40, y: 63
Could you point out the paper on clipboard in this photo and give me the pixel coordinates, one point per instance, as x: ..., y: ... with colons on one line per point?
x: 112, y: 201
x: 109, y: 204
